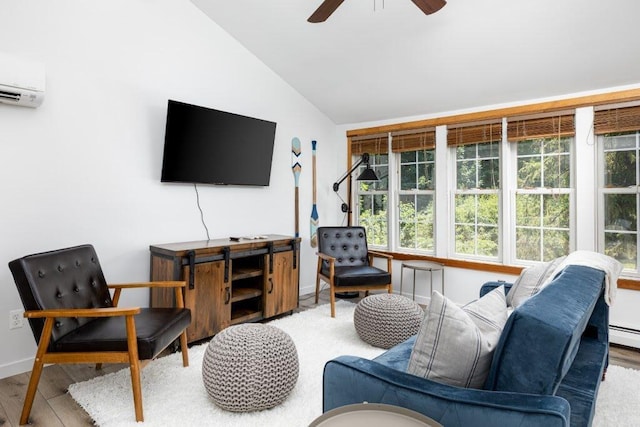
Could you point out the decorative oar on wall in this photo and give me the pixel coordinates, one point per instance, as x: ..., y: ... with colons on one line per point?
x: 314, y: 208
x: 296, y: 167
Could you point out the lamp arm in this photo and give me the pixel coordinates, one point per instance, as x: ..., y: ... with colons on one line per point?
x: 363, y: 159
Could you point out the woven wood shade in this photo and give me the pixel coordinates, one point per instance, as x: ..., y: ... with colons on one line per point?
x: 617, y: 120
x: 544, y: 127
x: 423, y: 140
x: 474, y: 134
x: 373, y: 145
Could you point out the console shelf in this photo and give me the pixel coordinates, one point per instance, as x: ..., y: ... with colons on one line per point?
x: 246, y: 273
x: 244, y: 316
x: 240, y: 294
x: 228, y: 282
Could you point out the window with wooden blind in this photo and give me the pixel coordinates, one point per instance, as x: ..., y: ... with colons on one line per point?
x: 372, y: 196
x: 415, y: 154
x: 618, y: 134
x: 544, y: 190
x: 476, y: 199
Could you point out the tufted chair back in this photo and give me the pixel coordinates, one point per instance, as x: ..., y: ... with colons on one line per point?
x: 346, y: 264
x: 348, y: 245
x: 65, y: 278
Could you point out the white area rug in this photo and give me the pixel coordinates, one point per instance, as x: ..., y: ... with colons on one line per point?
x: 618, y: 401
x: 173, y: 395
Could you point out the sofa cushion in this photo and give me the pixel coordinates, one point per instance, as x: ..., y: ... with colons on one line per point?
x: 542, y: 336
x: 530, y: 281
x: 455, y: 344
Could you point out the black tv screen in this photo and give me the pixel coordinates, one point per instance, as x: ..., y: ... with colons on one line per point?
x: 207, y: 146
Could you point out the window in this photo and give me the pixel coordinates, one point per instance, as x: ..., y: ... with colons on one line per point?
x: 506, y: 188
x: 416, y: 189
x: 372, y: 196
x: 619, y: 141
x: 543, y: 192
x: 476, y: 210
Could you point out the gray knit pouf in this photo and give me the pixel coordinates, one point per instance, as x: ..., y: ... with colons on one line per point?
x: 250, y: 367
x: 384, y: 320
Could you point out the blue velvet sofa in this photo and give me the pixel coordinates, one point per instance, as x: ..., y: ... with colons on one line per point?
x: 546, y: 369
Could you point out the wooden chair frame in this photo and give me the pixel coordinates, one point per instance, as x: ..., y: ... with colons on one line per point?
x: 43, y: 356
x: 334, y: 289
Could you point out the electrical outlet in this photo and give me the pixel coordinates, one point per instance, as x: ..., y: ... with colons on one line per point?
x: 15, y: 319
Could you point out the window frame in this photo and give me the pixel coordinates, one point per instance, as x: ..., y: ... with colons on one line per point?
x: 454, y: 192
x: 540, y: 191
x: 603, y: 190
x: 397, y: 244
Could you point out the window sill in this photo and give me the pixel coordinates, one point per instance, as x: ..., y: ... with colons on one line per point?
x: 623, y: 283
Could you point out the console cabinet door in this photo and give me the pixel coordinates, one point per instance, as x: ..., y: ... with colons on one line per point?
x: 281, y: 286
x: 209, y: 300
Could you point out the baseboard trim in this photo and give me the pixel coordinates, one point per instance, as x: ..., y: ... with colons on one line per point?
x: 17, y: 367
x: 624, y: 336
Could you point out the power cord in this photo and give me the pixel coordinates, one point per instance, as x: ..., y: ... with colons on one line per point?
x: 195, y: 186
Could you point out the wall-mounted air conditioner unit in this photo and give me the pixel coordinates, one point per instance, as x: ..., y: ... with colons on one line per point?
x: 21, y: 81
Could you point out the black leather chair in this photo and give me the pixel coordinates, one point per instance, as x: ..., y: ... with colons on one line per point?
x: 74, y: 319
x: 346, y: 264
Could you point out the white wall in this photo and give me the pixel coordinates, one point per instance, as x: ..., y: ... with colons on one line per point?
x: 85, y: 166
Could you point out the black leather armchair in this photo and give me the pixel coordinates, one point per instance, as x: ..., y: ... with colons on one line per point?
x: 346, y: 264
x: 74, y: 319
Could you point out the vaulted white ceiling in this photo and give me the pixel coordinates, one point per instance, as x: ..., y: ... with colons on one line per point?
x: 383, y: 59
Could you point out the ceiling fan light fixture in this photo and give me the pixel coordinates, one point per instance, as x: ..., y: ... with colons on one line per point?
x: 429, y: 6
x: 324, y: 11
x: 327, y: 7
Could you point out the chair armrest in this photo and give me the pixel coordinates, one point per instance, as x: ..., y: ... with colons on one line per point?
x: 332, y: 262
x: 157, y: 284
x: 380, y: 255
x: 376, y: 254
x: 176, y: 284
x: 82, y: 312
x: 350, y: 380
x: 326, y: 257
x: 51, y: 315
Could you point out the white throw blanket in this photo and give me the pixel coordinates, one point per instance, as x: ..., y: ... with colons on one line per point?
x: 610, y: 266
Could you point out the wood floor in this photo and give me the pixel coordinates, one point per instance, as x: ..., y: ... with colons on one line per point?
x: 54, y: 407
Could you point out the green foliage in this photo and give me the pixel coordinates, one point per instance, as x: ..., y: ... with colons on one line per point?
x: 416, y: 222
x: 478, y: 166
x: 621, y: 199
x: 373, y: 216
x: 544, y: 162
x: 476, y: 220
x: 542, y: 217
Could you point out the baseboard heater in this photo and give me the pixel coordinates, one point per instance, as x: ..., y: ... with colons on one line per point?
x: 623, y: 329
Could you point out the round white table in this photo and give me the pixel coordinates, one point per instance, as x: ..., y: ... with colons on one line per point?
x: 373, y: 415
x: 422, y: 266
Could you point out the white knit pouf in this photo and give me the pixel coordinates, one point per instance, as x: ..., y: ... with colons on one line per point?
x: 384, y: 320
x: 250, y: 367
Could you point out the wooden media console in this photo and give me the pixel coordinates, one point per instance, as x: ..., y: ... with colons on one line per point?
x: 229, y: 281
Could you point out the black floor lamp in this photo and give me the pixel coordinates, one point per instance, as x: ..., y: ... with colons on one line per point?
x: 367, y: 175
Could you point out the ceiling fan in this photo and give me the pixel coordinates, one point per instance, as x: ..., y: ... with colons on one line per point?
x: 329, y: 6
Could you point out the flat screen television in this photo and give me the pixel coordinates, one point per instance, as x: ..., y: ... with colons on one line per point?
x: 207, y: 146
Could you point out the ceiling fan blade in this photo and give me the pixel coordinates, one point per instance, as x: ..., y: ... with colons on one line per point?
x: 429, y: 6
x: 324, y: 10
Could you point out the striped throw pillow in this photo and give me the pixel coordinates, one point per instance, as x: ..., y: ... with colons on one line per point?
x: 530, y: 281
x: 455, y: 344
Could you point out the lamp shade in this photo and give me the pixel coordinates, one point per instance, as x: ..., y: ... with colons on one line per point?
x: 368, y: 175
